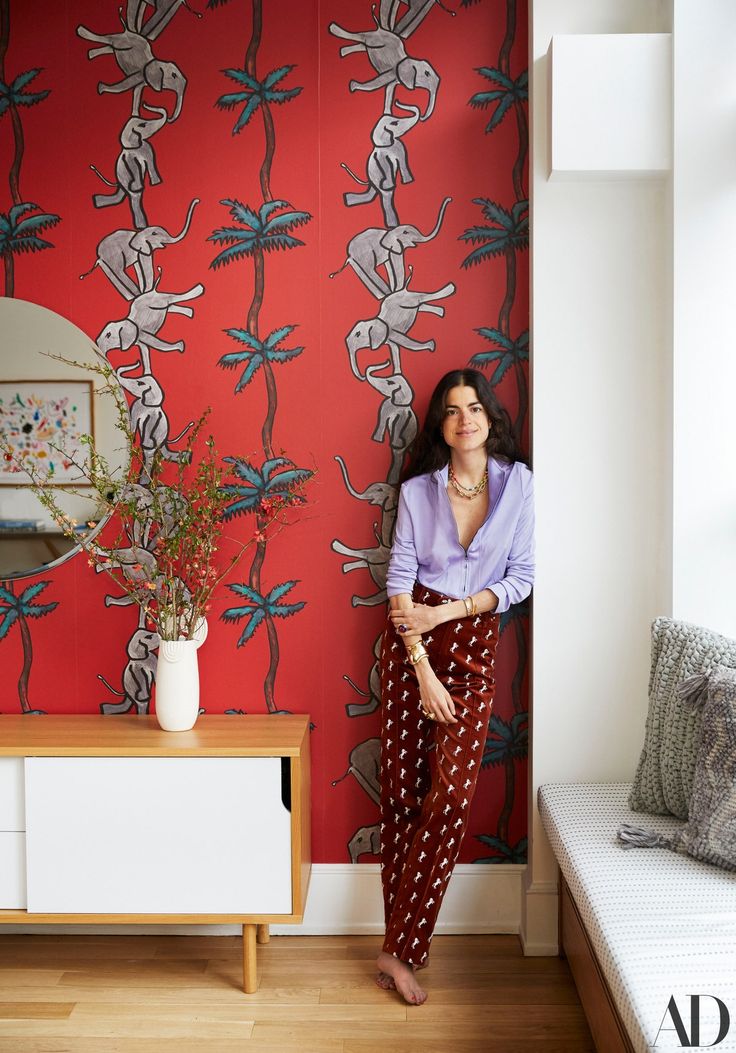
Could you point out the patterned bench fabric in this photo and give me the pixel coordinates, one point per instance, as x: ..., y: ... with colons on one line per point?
x: 661, y: 924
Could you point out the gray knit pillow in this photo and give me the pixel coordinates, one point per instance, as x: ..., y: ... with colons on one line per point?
x: 664, y: 777
x: 710, y: 832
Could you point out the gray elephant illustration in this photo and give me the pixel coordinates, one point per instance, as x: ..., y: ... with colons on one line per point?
x: 137, y: 566
x: 373, y: 694
x: 374, y: 560
x: 391, y: 326
x: 166, y: 511
x: 386, y: 163
x: 381, y: 247
x: 156, y: 22
x: 138, y: 676
x: 387, y: 54
x: 396, y: 418
x: 148, y: 418
x: 384, y: 495
x: 137, y: 62
x: 365, y: 765
x: 135, y: 161
x: 146, y: 316
x: 365, y: 841
x: 123, y: 249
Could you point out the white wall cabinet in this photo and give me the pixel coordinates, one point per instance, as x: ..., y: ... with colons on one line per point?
x: 112, y: 819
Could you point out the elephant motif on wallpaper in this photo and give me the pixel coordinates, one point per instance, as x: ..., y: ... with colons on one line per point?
x: 136, y: 162
x: 164, y: 11
x: 148, y: 418
x: 146, y: 316
x: 168, y: 512
x: 138, y: 676
x: 137, y: 62
x: 373, y: 694
x: 374, y: 560
x: 396, y: 418
x: 387, y: 54
x: 381, y: 247
x: 391, y: 326
x: 383, y: 495
x: 387, y: 161
x: 365, y: 766
x: 125, y: 249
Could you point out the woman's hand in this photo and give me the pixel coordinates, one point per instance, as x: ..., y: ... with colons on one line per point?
x: 418, y: 619
x: 436, y: 699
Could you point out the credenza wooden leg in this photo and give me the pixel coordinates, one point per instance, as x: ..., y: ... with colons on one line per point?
x: 263, y: 935
x: 249, y: 959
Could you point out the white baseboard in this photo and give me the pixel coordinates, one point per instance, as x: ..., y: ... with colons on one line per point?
x: 346, y: 899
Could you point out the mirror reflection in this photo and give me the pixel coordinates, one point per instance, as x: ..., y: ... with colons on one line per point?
x: 45, y: 404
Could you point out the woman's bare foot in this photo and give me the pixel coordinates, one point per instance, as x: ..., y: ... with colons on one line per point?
x: 385, y: 982
x: 403, y: 977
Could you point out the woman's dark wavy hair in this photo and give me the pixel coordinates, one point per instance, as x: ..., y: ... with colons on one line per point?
x: 429, y: 451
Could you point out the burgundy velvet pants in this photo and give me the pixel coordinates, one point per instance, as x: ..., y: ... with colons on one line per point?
x: 429, y: 770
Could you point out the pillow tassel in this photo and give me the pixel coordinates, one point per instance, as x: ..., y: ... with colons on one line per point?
x: 695, y: 689
x: 640, y: 837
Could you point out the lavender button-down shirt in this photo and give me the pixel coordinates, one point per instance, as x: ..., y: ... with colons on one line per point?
x: 500, y: 557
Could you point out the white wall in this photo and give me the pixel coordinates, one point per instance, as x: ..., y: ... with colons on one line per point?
x: 600, y: 433
x: 704, y: 273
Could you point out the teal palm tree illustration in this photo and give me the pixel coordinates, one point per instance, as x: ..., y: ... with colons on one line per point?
x: 12, y: 95
x: 19, y: 232
x: 258, y: 608
x: 502, y: 852
x: 518, y: 616
x: 255, y: 93
x: 506, y: 234
x: 506, y: 743
x: 506, y: 353
x: 257, y: 352
x: 18, y: 609
x: 504, y: 95
x: 258, y: 484
x: 259, y: 232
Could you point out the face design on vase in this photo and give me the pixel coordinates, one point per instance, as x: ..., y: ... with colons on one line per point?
x: 465, y: 426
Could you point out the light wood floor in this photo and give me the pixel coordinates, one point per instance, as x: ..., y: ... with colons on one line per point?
x: 181, y: 994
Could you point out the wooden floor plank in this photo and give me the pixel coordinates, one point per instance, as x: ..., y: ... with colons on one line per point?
x: 178, y: 994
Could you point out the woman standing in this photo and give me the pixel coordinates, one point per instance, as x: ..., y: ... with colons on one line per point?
x: 463, y: 552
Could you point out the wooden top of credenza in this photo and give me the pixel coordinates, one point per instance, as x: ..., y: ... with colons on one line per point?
x: 260, y: 735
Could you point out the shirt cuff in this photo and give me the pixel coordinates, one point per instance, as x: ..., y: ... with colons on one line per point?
x: 499, y: 589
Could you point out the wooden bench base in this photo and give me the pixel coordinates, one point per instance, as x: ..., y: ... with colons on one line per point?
x: 606, y: 1026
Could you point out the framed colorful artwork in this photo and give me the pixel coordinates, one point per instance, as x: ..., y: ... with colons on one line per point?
x: 43, y: 422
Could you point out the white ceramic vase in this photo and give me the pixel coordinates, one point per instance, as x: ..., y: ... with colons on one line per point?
x: 177, y: 681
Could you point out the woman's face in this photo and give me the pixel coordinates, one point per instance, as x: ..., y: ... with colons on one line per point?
x: 465, y: 425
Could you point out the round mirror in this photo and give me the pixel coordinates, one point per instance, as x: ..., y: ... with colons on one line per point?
x: 45, y: 405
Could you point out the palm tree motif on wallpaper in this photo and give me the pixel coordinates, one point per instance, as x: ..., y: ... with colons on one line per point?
x: 267, y: 228
x: 257, y: 94
x: 18, y: 609
x: 18, y: 234
x: 505, y: 94
x: 503, y: 852
x: 506, y: 353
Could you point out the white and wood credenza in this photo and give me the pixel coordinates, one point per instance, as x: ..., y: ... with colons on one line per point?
x: 111, y: 820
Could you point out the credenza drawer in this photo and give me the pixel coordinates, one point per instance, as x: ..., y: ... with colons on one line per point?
x: 12, y: 802
x: 12, y: 871
x: 163, y: 835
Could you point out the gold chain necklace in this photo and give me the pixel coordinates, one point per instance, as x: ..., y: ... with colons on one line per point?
x: 468, y: 492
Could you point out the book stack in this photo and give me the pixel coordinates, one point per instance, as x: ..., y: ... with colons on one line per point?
x: 9, y: 525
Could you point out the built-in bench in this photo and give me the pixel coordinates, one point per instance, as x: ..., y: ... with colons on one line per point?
x: 640, y: 927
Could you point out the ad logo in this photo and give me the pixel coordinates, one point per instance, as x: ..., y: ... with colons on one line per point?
x: 693, y: 1038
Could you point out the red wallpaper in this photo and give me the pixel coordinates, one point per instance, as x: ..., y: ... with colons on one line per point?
x: 300, y: 126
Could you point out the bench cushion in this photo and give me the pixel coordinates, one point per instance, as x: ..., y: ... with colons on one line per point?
x: 661, y: 924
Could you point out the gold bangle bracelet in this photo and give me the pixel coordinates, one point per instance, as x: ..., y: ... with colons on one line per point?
x: 468, y: 601
x: 416, y: 652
